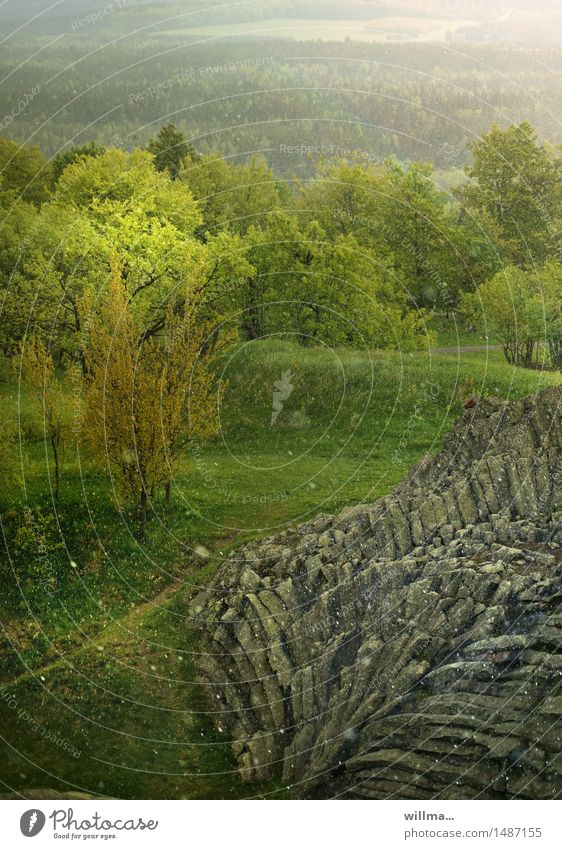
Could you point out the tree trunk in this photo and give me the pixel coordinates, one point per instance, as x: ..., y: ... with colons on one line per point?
x: 57, y: 468
x: 529, y: 350
x: 252, y: 323
x: 555, y: 345
x: 142, y: 513
x: 168, y: 491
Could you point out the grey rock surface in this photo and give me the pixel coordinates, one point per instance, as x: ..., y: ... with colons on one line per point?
x: 408, y: 648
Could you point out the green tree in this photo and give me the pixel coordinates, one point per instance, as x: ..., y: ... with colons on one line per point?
x: 118, y: 212
x: 74, y: 154
x: 170, y: 150
x: 398, y: 214
x: 348, y: 198
x: 25, y: 171
x: 516, y: 181
x: 211, y: 181
x: 522, y: 308
x: 234, y: 197
x: 146, y: 397
x: 419, y: 230
x: 117, y: 209
x: 323, y: 289
x: 550, y: 285
x: 35, y: 365
x: 65, y: 260
x: 17, y: 219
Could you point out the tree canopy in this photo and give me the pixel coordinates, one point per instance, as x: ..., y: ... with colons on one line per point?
x: 137, y: 268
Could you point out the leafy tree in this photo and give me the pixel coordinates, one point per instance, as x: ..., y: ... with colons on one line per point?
x: 122, y: 399
x: 323, y: 289
x: 420, y: 231
x: 25, y: 171
x: 74, y: 154
x: 256, y: 192
x: 118, y: 208
x: 118, y: 212
x: 145, y: 397
x: 170, y: 149
x: 507, y: 301
x: 550, y: 285
x: 126, y: 179
x: 516, y: 181
x: 524, y: 310
x: 9, y: 474
x: 347, y: 198
x: 17, y: 220
x: 191, y: 396
x: 344, y: 296
x: 211, y: 181
x: 35, y: 365
x: 475, y: 242
x: 64, y: 260
x: 234, y: 197
x: 399, y: 215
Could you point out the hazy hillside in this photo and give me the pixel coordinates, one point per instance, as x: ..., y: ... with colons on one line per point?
x: 389, y: 20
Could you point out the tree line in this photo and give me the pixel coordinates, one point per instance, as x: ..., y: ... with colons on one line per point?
x: 263, y: 94
x: 130, y: 272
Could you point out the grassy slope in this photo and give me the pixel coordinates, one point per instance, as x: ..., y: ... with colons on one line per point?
x: 113, y: 670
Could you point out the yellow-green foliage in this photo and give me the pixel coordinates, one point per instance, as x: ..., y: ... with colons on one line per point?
x: 35, y: 365
x: 523, y: 308
x: 146, y: 396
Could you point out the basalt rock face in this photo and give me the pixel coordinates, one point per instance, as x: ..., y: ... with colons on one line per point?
x: 409, y: 648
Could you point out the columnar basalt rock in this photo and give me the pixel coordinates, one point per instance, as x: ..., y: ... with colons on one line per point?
x: 409, y: 648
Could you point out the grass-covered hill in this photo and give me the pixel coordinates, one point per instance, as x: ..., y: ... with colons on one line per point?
x: 98, y: 687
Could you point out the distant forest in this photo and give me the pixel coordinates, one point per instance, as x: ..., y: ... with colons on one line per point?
x: 274, y: 96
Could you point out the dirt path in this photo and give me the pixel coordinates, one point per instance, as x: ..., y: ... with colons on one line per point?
x: 83, y: 642
x: 465, y: 349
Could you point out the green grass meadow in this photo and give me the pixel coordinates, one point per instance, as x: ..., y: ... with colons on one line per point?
x: 98, y: 690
